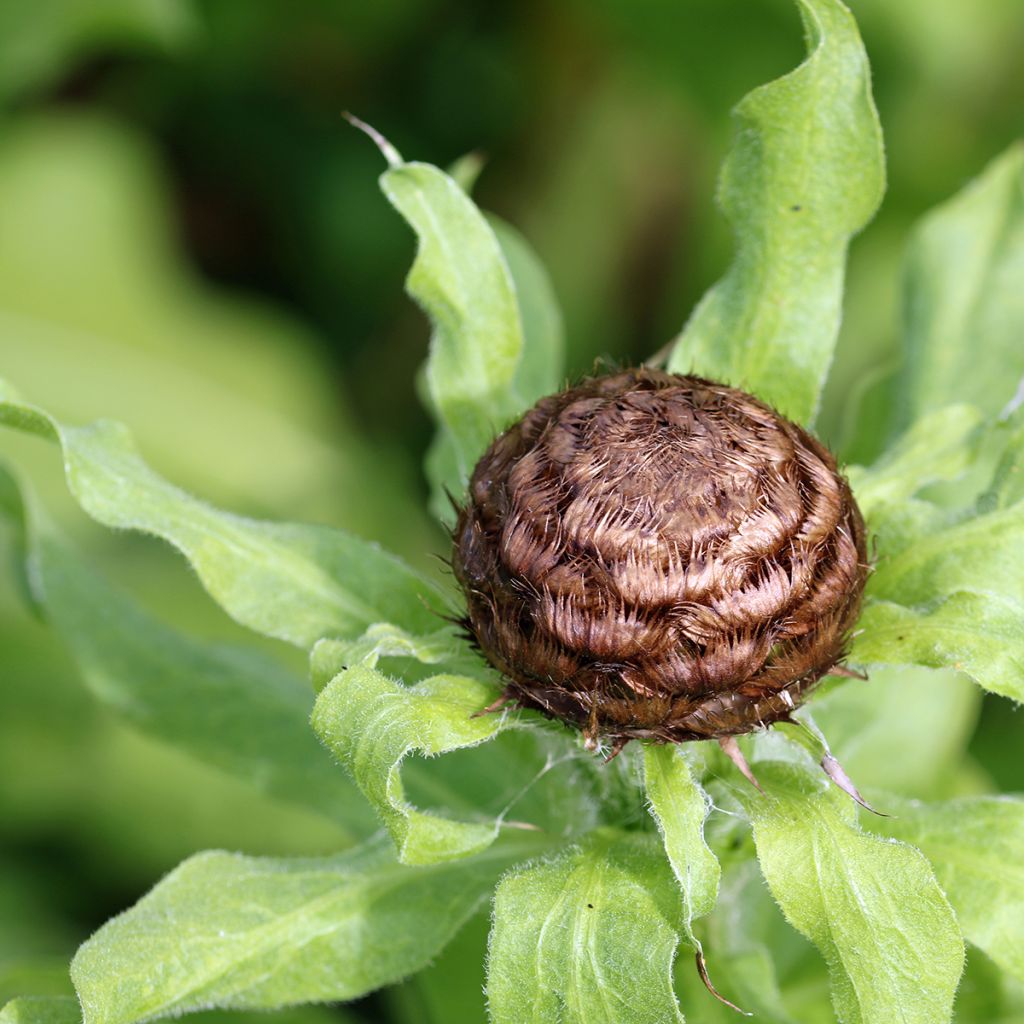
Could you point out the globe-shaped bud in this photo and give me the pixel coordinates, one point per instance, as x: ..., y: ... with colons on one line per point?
x: 648, y: 555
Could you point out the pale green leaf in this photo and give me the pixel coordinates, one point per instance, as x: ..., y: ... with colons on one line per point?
x: 371, y: 723
x: 294, y: 582
x: 950, y: 591
x: 539, y: 371
x: 939, y: 446
x: 964, y: 304
x: 806, y: 173
x: 974, y: 633
x: 1007, y: 486
x: 679, y: 806
x: 541, y: 367
x: 871, y: 906
x: 384, y: 640
x: 234, y: 931
x: 41, y: 1010
x: 975, y: 845
x: 587, y: 937
x: 229, y: 706
x: 461, y: 280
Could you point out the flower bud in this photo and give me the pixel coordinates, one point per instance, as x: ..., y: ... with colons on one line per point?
x: 648, y: 555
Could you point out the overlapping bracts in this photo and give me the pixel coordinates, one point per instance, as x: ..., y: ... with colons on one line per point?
x: 652, y: 555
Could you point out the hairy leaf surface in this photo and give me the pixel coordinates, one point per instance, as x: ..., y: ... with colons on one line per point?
x: 949, y: 593
x: 587, y: 937
x: 871, y: 906
x: 251, y: 932
x: 461, y: 280
x: 680, y: 806
x: 975, y: 844
x: 371, y: 724
x: 805, y: 173
x: 294, y: 582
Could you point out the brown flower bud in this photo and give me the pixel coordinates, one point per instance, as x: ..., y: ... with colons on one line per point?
x: 657, y: 556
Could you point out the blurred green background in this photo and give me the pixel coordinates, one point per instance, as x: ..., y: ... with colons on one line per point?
x: 192, y: 241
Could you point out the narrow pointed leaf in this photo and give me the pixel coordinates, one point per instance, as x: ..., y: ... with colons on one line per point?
x: 680, y: 806
x: 975, y: 845
x: 806, y: 172
x: 497, y: 344
x: 587, y: 937
x: 294, y: 582
x: 964, y: 305
x: 461, y: 280
x: 871, y: 906
x: 232, y: 931
x: 371, y: 724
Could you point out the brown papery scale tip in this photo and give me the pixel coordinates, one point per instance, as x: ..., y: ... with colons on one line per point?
x: 653, y: 556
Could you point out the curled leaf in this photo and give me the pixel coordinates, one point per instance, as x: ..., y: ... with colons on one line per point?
x: 805, y: 173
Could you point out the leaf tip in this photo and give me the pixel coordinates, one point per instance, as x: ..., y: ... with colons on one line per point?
x: 393, y: 157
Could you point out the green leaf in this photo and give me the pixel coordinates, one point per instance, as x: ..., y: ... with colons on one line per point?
x: 939, y: 446
x: 540, y: 369
x: 371, y: 723
x: 462, y: 282
x: 294, y: 582
x: 871, y: 906
x: 806, y: 172
x: 975, y: 845
x: 541, y: 366
x: 229, y: 706
x: 41, y: 1010
x: 249, y: 932
x: 951, y: 593
x: 587, y: 937
x: 384, y: 640
x: 974, y: 633
x: 680, y: 806
x: 963, y: 302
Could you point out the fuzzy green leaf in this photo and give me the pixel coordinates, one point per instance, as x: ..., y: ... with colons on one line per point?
x: 294, y: 582
x: 950, y: 592
x: 679, y: 806
x: 371, y: 723
x: 541, y: 367
x: 41, y: 1010
x: 871, y: 906
x: 587, y: 937
x: 538, y: 371
x: 975, y: 845
x: 249, y: 932
x: 384, y: 640
x: 229, y: 706
x: 806, y: 172
x: 462, y: 282
x: 974, y: 633
x: 939, y: 446
x: 964, y: 304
